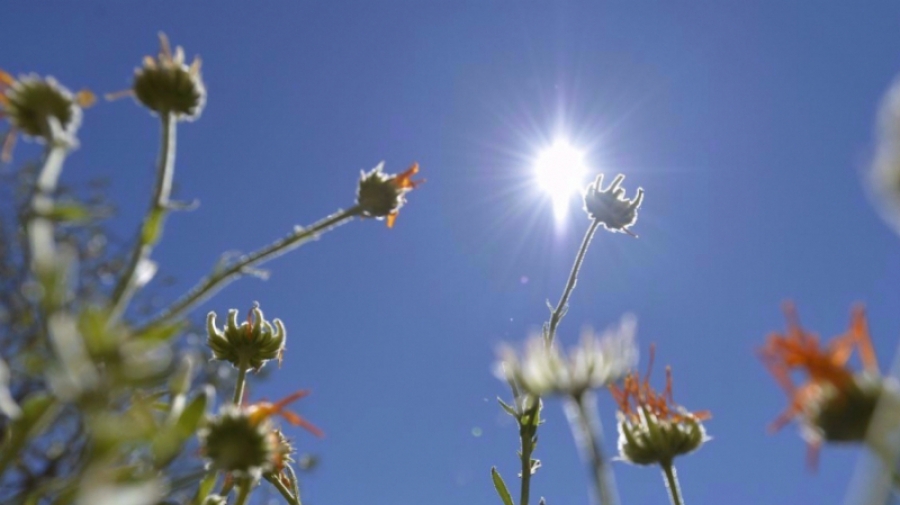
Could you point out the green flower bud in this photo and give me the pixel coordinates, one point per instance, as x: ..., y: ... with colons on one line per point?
x: 41, y: 109
x: 381, y: 195
x: 248, y: 345
x: 651, y: 440
x: 166, y: 85
x: 609, y: 207
x: 235, y: 442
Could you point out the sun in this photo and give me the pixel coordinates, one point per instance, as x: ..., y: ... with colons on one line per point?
x: 559, y: 170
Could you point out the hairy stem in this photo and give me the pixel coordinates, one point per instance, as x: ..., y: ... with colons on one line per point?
x: 557, y: 314
x: 672, y: 483
x: 224, y: 275
x: 152, y: 227
x: 586, y: 430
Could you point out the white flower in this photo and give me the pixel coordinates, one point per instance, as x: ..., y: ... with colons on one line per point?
x: 597, y: 362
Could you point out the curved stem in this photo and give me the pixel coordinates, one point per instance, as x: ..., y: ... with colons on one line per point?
x: 40, y: 229
x: 557, y: 314
x: 220, y: 277
x: 152, y: 227
x: 672, y: 483
x: 586, y: 430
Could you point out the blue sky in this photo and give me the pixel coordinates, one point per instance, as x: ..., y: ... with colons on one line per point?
x: 748, y: 124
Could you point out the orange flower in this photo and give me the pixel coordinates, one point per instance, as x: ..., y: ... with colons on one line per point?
x: 403, y: 181
x: 653, y: 429
x: 835, y: 403
x: 263, y: 410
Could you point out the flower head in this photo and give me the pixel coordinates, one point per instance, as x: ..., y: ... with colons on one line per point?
x: 40, y: 108
x: 166, y: 84
x: 835, y: 404
x: 244, y: 441
x: 609, y: 207
x: 544, y: 369
x: 250, y: 344
x: 381, y: 195
x: 652, y: 428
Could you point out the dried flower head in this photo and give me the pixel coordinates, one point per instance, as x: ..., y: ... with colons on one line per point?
x: 248, y: 345
x: 609, y: 207
x: 40, y: 109
x: 597, y: 362
x: 166, y: 85
x: 652, y: 428
x: 381, y: 195
x: 242, y: 440
x: 835, y: 404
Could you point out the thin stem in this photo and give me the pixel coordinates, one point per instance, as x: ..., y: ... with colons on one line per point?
x: 285, y: 492
x: 41, y: 239
x: 244, y: 487
x: 239, y: 386
x: 672, y: 483
x: 557, y: 314
x: 586, y: 430
x: 151, y: 229
x: 222, y: 276
x: 527, y: 431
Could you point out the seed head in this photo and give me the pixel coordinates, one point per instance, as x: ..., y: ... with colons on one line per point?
x: 250, y: 344
x: 381, y: 195
x: 609, y: 207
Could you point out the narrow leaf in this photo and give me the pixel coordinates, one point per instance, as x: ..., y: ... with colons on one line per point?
x: 500, y: 486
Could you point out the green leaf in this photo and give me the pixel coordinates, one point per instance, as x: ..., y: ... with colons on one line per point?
x: 153, y: 226
x: 500, y: 486
x: 168, y: 443
x: 206, y: 487
x: 70, y: 212
x: 161, y: 332
x: 508, y: 408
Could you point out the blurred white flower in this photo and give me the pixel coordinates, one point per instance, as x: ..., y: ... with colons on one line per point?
x: 598, y: 361
x: 885, y: 173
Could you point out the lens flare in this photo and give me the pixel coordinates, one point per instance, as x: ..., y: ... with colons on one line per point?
x: 559, y: 170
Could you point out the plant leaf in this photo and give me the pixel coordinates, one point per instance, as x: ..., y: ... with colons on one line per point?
x: 500, y: 486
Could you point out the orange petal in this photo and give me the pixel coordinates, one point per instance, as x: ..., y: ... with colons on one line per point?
x: 6, y: 80
x: 391, y: 218
x: 85, y: 98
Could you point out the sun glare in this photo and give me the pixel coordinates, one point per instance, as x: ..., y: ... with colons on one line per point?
x: 559, y: 171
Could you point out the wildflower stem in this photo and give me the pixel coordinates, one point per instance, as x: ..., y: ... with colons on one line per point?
x: 239, y: 385
x: 586, y: 430
x: 151, y: 229
x: 560, y: 310
x: 244, y: 487
x: 224, y: 275
x: 40, y: 229
x: 672, y: 483
x: 527, y: 431
x: 285, y: 492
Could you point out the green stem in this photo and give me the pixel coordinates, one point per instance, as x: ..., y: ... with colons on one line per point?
x: 223, y: 276
x: 672, y: 483
x: 586, y: 429
x: 244, y: 487
x: 558, y: 313
x: 527, y: 432
x: 285, y: 492
x: 152, y: 227
x: 239, y: 386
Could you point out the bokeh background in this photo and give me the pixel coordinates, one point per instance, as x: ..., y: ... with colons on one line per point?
x: 749, y: 124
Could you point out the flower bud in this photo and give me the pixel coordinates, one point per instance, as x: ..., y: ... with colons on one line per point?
x: 167, y: 85
x: 381, y: 195
x: 41, y: 108
x: 248, y: 345
x: 609, y: 207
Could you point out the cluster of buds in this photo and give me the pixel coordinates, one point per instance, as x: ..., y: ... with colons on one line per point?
x: 381, y: 195
x: 544, y: 369
x: 249, y: 344
x: 167, y: 85
x: 243, y: 440
x: 835, y: 404
x: 40, y: 108
x: 653, y: 430
x: 609, y: 207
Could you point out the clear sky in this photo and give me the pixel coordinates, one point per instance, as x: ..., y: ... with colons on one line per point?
x: 748, y: 124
